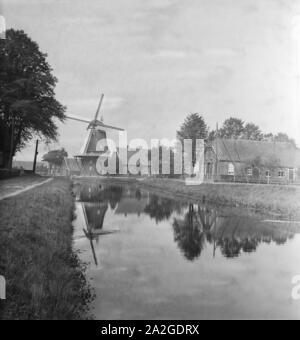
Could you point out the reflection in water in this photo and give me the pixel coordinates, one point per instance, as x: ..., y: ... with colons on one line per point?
x: 183, y: 260
x: 95, y: 201
x: 160, y: 208
x: 94, y: 215
x: 99, y: 193
x: 189, y: 234
x: 194, y: 225
x: 90, y: 237
x: 232, y: 234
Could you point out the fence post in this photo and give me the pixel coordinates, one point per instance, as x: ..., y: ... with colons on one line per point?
x: 2, y: 288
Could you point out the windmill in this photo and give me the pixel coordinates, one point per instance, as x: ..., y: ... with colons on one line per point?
x: 96, y: 132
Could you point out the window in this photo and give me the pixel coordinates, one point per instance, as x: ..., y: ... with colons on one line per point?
x: 250, y: 172
x: 231, y: 169
x: 268, y: 173
x: 281, y: 173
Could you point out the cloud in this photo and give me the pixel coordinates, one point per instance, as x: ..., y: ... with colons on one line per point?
x: 170, y: 54
x: 163, y: 58
x: 27, y: 2
x: 251, y: 8
x: 224, y: 52
x: 218, y: 79
x: 287, y: 5
x: 83, y: 21
x: 91, y: 104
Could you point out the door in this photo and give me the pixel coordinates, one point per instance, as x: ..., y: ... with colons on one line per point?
x: 209, y: 170
x: 291, y: 175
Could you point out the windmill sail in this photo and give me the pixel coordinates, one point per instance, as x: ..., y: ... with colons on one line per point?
x: 77, y: 118
x: 95, y: 123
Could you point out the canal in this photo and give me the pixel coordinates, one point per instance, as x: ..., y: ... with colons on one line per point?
x: 156, y: 257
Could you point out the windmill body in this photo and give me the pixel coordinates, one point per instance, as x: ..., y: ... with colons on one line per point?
x: 89, y: 154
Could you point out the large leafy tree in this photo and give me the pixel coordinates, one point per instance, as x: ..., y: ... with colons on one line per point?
x: 28, y: 107
x: 194, y: 127
x: 252, y: 131
x: 232, y: 128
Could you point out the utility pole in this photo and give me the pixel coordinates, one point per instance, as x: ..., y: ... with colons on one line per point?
x: 12, y: 139
x: 217, y: 152
x: 35, y: 156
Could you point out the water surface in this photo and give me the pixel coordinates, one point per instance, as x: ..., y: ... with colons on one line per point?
x: 155, y: 257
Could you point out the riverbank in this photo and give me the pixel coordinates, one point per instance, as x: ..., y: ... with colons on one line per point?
x: 283, y: 201
x: 277, y: 200
x: 44, y: 277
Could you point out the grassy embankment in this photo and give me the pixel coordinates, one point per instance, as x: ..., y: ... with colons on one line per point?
x: 45, y: 279
x: 277, y: 200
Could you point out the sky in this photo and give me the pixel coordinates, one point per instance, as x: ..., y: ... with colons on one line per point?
x: 156, y: 61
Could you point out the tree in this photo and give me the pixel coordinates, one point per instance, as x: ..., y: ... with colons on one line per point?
x: 252, y: 132
x: 280, y: 137
x: 268, y: 137
x: 55, y: 158
x: 232, y: 128
x: 283, y: 137
x: 194, y: 127
x: 28, y: 106
x: 212, y: 135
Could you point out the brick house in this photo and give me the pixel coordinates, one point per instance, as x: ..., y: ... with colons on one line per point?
x: 238, y: 160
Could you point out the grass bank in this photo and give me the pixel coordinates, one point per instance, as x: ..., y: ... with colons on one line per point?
x: 280, y: 200
x: 277, y: 200
x: 44, y: 277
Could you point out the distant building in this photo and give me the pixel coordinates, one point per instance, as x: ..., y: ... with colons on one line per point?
x: 71, y: 167
x: 238, y: 160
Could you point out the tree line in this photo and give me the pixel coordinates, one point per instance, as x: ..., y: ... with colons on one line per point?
x: 195, y: 127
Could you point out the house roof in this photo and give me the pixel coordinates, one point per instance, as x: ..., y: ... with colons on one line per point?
x: 240, y: 150
x: 72, y: 164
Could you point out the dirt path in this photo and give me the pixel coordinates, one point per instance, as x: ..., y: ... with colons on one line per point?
x: 24, y: 189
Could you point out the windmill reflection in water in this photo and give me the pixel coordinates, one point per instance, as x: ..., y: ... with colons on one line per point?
x: 94, y: 205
